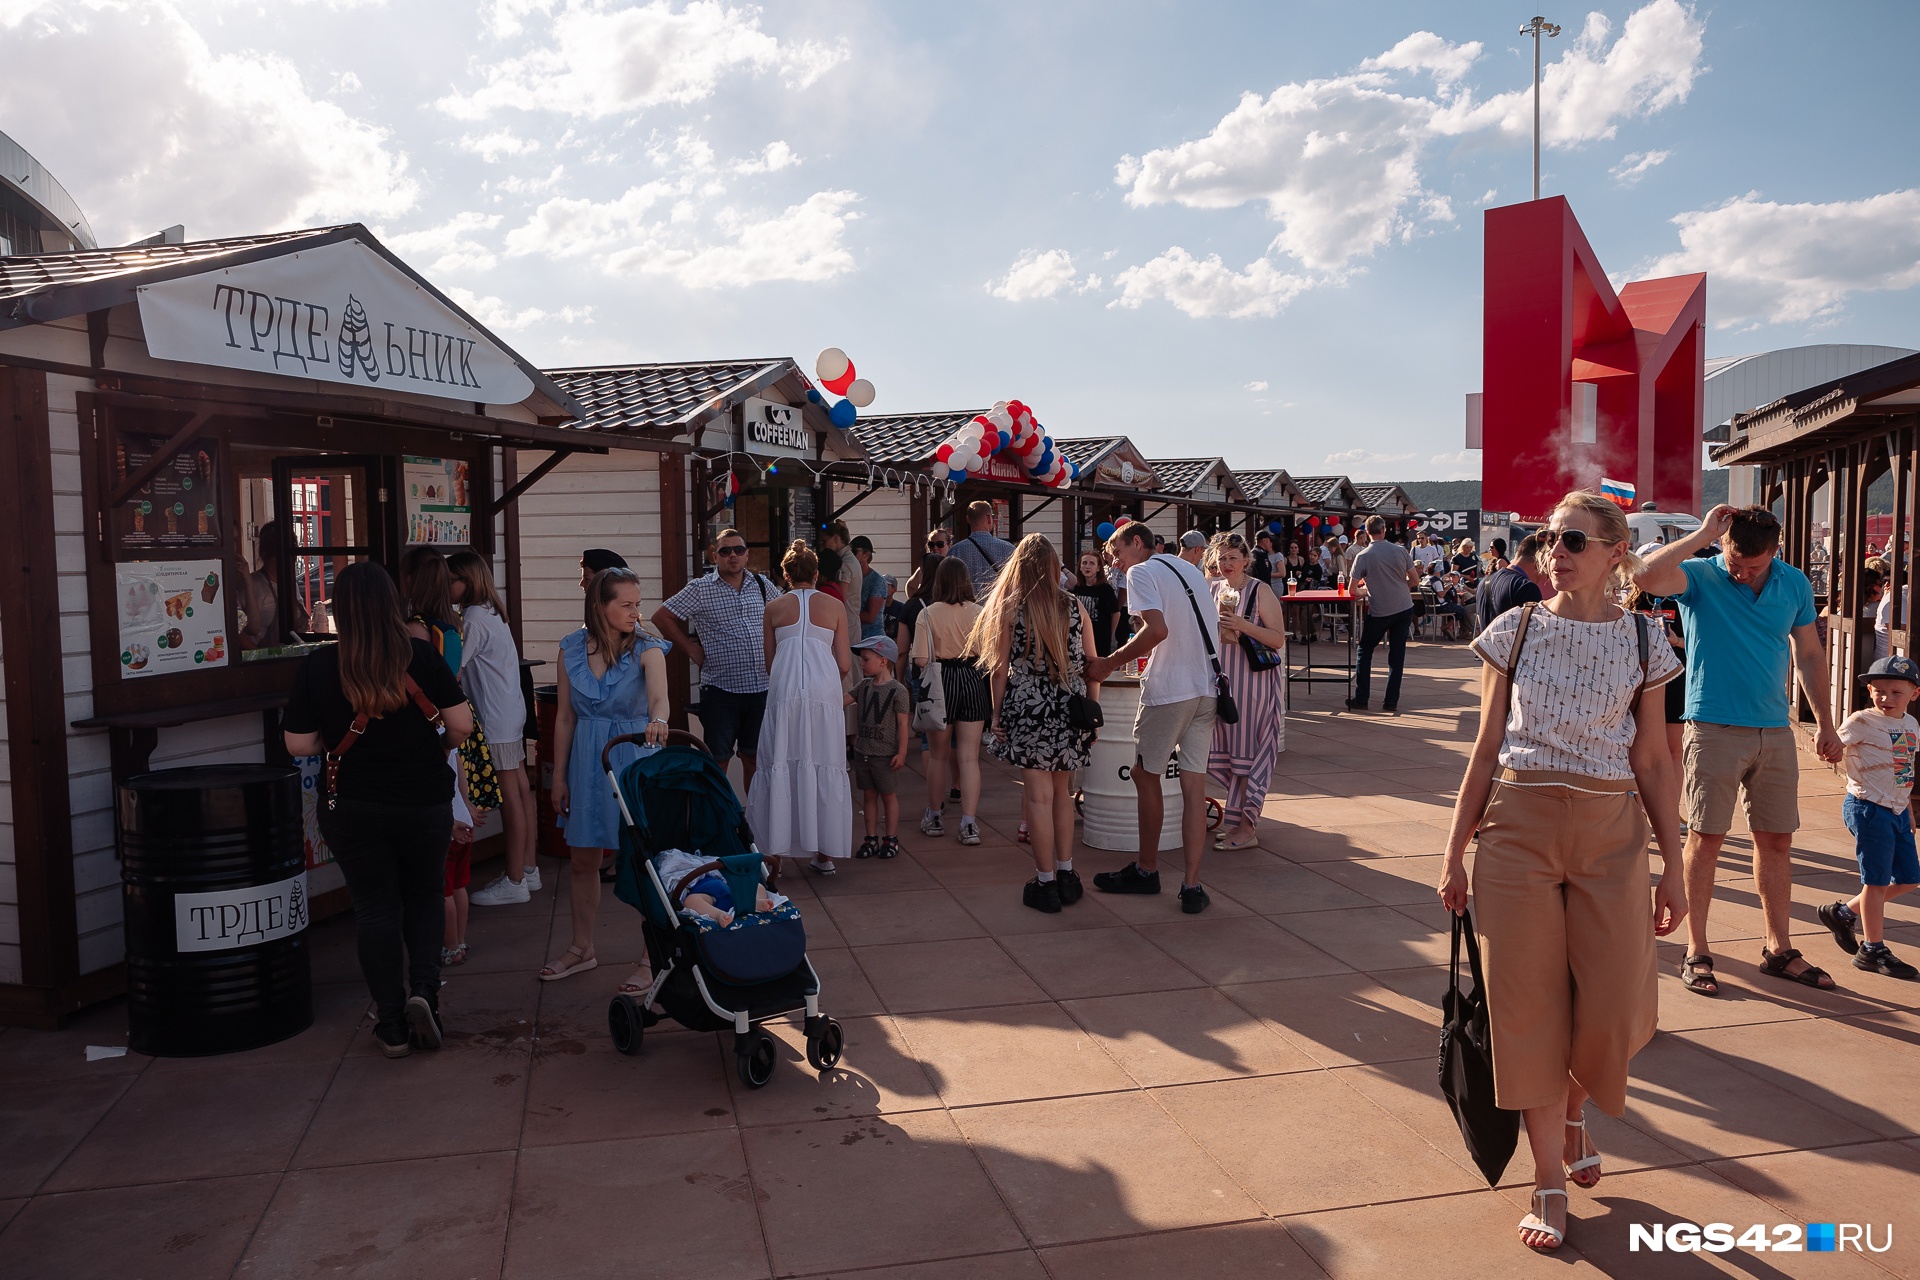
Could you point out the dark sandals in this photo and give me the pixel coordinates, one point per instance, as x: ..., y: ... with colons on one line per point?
x: 1774, y: 965
x: 1696, y: 975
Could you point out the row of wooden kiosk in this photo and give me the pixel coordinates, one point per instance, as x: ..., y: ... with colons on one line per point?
x: 197, y: 437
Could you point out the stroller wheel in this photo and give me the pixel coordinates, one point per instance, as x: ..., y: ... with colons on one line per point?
x: 755, y: 1054
x: 824, y: 1043
x: 627, y: 1021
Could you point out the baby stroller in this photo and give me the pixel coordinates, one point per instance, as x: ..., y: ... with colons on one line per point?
x: 708, y: 977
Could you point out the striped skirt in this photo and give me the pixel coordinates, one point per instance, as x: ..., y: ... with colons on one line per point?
x: 1243, y: 754
x: 965, y: 684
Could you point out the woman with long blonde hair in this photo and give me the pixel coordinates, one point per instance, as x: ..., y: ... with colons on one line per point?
x: 1033, y: 638
x: 1569, y: 766
x: 613, y: 681
x: 384, y: 710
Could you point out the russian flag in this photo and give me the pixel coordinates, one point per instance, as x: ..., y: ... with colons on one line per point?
x: 1619, y: 492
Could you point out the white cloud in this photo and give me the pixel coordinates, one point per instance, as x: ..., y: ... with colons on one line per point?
x: 496, y: 146
x: 774, y: 157
x: 1205, y: 288
x: 1464, y: 465
x: 1037, y: 274
x: 514, y: 184
x: 498, y: 315
x: 1366, y: 465
x: 147, y: 126
x: 1794, y: 263
x: 1256, y: 386
x: 1636, y: 165
x: 345, y: 82
x: 600, y: 58
x: 1338, y: 162
x: 451, y: 247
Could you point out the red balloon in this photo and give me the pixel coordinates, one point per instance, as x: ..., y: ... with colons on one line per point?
x: 840, y: 384
x: 1122, y: 520
x: 944, y: 452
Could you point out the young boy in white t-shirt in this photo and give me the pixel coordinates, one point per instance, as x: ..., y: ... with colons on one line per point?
x: 1880, y: 747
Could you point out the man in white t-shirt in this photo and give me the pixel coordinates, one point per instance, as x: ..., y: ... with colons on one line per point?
x: 1427, y: 553
x: 1180, y: 629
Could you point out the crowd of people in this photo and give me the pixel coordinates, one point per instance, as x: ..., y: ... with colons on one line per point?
x: 1629, y: 698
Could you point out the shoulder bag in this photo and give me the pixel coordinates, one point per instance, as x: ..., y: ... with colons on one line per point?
x: 929, y: 690
x: 1225, y: 709
x: 1260, y: 657
x: 1466, y: 1063
x: 1083, y: 712
x: 358, y: 729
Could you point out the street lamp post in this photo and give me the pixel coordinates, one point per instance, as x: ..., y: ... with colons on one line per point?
x: 1537, y: 28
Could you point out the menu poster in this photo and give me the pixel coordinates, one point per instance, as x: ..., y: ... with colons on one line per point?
x: 173, y: 616
x: 178, y: 508
x: 439, y: 508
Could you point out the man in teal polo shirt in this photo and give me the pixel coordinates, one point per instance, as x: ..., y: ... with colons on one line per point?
x: 1749, y: 621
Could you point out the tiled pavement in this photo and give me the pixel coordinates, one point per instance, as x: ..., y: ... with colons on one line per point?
x: 1116, y: 1091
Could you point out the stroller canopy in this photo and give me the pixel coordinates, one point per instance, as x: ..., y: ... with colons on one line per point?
x: 678, y: 798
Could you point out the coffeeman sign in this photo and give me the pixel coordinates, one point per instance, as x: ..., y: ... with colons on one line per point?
x: 339, y: 313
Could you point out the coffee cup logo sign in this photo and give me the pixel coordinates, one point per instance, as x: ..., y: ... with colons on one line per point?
x: 340, y: 314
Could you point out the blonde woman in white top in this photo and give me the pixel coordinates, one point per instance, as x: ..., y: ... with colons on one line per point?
x: 1559, y: 792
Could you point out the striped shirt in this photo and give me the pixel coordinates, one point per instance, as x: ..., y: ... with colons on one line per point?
x: 1572, y: 707
x: 727, y: 623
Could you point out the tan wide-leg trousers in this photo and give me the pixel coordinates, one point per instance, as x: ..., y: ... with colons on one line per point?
x: 1563, y: 908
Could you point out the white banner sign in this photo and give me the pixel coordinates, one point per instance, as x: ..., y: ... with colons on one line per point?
x: 339, y: 313
x: 232, y: 918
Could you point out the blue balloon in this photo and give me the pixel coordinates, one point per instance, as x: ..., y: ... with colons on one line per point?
x: 1105, y: 530
x: 1005, y: 440
x: 1073, y: 469
x: 957, y: 475
x: 813, y: 395
x: 843, y: 414
x: 1274, y: 526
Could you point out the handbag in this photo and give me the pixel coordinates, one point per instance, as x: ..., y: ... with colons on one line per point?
x: 1466, y: 1063
x: 1260, y: 657
x: 1225, y: 709
x: 930, y: 689
x: 1084, y: 713
x: 476, y: 761
x: 358, y: 729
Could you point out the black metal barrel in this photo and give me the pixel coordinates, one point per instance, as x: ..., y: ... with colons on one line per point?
x: 213, y: 871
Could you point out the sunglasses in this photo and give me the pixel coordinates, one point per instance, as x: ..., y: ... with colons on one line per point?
x: 729, y: 551
x: 1574, y: 540
x: 942, y: 543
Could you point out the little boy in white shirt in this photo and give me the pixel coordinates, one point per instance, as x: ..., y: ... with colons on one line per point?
x: 1878, y: 809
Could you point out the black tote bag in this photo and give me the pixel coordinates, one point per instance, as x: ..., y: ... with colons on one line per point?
x: 1466, y: 1064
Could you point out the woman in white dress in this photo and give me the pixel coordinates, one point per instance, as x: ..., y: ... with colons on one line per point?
x: 800, y: 801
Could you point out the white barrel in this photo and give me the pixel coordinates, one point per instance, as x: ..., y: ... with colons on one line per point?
x: 1111, y: 817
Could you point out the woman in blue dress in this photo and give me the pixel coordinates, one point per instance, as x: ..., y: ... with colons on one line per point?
x: 613, y: 680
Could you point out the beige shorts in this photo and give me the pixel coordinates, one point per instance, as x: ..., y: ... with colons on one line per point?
x: 1723, y: 760
x: 1182, y: 731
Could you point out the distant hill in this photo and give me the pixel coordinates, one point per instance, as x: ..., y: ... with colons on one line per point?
x: 1464, y: 495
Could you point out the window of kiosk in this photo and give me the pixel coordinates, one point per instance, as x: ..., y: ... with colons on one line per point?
x: 302, y: 519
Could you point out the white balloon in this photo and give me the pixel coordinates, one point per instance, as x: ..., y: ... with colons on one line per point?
x: 860, y: 391
x: 831, y: 363
x: 939, y: 470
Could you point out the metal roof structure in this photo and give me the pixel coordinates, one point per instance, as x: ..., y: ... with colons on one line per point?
x: 1270, y: 488
x: 1333, y: 493
x: 1182, y: 477
x: 670, y: 399
x: 1740, y: 384
x: 1839, y: 407
x: 908, y: 439
x: 27, y: 182
x: 1386, y: 499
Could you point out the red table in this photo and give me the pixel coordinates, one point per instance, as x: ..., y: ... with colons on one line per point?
x: 1304, y: 673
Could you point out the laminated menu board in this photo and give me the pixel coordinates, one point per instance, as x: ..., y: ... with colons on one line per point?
x: 178, y: 508
x: 439, y: 508
x: 173, y: 616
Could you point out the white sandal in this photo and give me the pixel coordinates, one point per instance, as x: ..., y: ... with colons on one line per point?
x: 1580, y: 1166
x: 1535, y: 1222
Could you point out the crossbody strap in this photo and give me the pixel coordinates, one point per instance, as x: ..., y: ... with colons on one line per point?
x: 358, y: 730
x: 981, y: 547
x: 1513, y: 662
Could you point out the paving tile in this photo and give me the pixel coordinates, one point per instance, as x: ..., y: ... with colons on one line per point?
x: 1388, y: 881
x: 874, y: 1192
x: 1344, y: 1018
x: 1097, y: 962
x: 1400, y: 1240
x: 1157, y: 908
x: 1181, y: 1037
x: 1263, y: 1249
x: 449, y: 1102
x: 677, y: 1207
x: 212, y: 1122
x: 975, y: 1056
x: 1248, y: 949
x: 967, y: 973
x: 844, y: 989
x: 1844, y: 1077
x: 965, y: 868
x: 1283, y: 888
x: 583, y: 1090
x: 1090, y: 1168
x: 521, y: 944
x: 1703, y: 1105
x: 185, y: 1229
x: 1305, y: 1142
x: 440, y: 1217
x: 9, y: 1209
x: 1023, y: 1264
x: 1739, y: 1002
x: 877, y: 1075
x: 1876, y: 1183
x: 853, y: 878
x: 489, y: 1013
x: 924, y: 915
x: 1375, y: 938
x: 31, y: 1054
x: 339, y: 1017
x: 42, y: 1121
x: 1000, y: 911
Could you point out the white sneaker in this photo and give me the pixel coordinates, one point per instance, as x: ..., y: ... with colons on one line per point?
x: 501, y: 893
x: 931, y: 825
x: 531, y: 880
x: 969, y: 833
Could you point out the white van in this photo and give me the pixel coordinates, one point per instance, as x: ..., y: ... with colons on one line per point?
x: 1660, y: 526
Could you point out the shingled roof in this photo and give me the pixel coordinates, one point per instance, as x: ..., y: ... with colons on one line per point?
x: 1181, y: 477
x: 1331, y: 492
x: 1387, y: 499
x: 666, y: 398
x: 1269, y: 488
x: 41, y: 276
x: 908, y: 439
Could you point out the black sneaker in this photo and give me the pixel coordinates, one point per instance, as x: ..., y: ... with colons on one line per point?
x: 393, y: 1041
x: 1882, y: 961
x: 1841, y: 926
x: 1128, y: 879
x: 1071, y: 889
x: 889, y: 848
x: 1355, y: 706
x: 423, y: 1023
x: 869, y: 848
x: 1194, y: 899
x: 953, y: 793
x: 1042, y: 897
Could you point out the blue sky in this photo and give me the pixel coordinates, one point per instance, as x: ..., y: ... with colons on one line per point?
x: 997, y: 200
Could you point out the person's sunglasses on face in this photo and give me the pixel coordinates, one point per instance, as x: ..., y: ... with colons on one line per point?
x: 1575, y: 540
